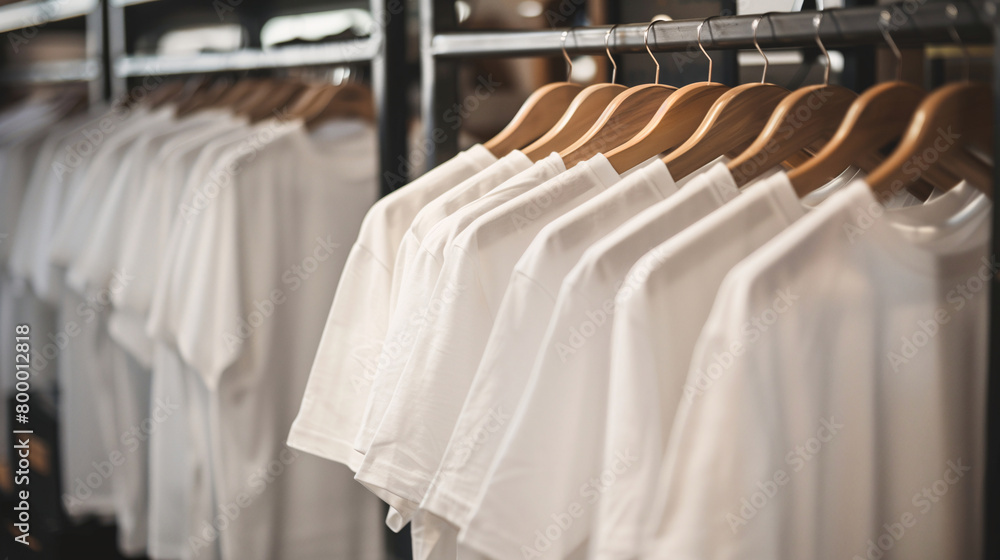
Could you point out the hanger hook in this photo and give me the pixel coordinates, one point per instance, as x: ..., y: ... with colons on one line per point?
x: 607, y: 49
x: 817, y: 21
x: 884, y: 18
x: 952, y: 12
x: 569, y: 62
x: 756, y: 22
x: 702, y: 47
x: 645, y: 41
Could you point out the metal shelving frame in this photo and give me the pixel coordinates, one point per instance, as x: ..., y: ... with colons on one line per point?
x: 915, y: 23
x: 20, y: 17
x: 384, y: 50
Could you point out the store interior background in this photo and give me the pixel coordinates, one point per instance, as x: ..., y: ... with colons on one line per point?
x: 189, y: 27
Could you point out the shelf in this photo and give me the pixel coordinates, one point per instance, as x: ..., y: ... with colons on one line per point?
x: 249, y: 59
x: 22, y: 15
x: 61, y: 71
x: 124, y: 3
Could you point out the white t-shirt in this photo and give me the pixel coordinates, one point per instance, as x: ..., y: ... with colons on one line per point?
x: 92, y: 273
x: 167, y: 503
x: 181, y: 453
x: 17, y: 157
x: 88, y: 424
x: 517, y: 335
x: 834, y: 407
x: 411, y: 293
x: 147, y: 228
x: 548, y: 467
x: 249, y: 329
x: 659, y: 312
x: 410, y: 442
x: 335, y: 396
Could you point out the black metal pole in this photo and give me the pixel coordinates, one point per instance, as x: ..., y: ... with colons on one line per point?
x: 438, y: 85
x: 991, y: 502
x: 389, y: 85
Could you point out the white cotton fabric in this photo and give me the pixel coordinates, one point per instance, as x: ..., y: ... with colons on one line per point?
x: 410, y: 292
x: 169, y: 498
x: 264, y: 314
x: 659, y: 312
x: 517, y: 335
x: 857, y: 386
x: 414, y: 433
x: 548, y: 468
x: 342, y: 372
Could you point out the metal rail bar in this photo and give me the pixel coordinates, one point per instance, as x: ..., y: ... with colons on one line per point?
x: 360, y: 50
x: 927, y: 23
x: 22, y: 15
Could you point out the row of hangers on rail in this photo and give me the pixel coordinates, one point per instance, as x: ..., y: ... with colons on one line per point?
x: 260, y: 98
x: 760, y: 126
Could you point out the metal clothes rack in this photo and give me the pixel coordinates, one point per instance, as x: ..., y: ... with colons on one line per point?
x: 443, y: 44
x: 26, y: 18
x: 384, y: 50
x: 108, y: 66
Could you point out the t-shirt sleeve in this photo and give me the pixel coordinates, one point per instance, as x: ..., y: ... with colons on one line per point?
x: 206, y: 289
x: 418, y: 423
x: 496, y: 389
x: 345, y: 363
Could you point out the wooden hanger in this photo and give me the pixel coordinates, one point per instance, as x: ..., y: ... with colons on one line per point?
x: 320, y: 104
x: 732, y: 123
x: 164, y: 93
x: 805, y: 118
x: 877, y: 116
x: 627, y: 114
x: 255, y: 96
x: 951, y: 123
x: 236, y: 93
x: 582, y: 113
x: 207, y: 95
x: 538, y: 116
x: 676, y: 119
x: 263, y: 105
x: 193, y: 87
